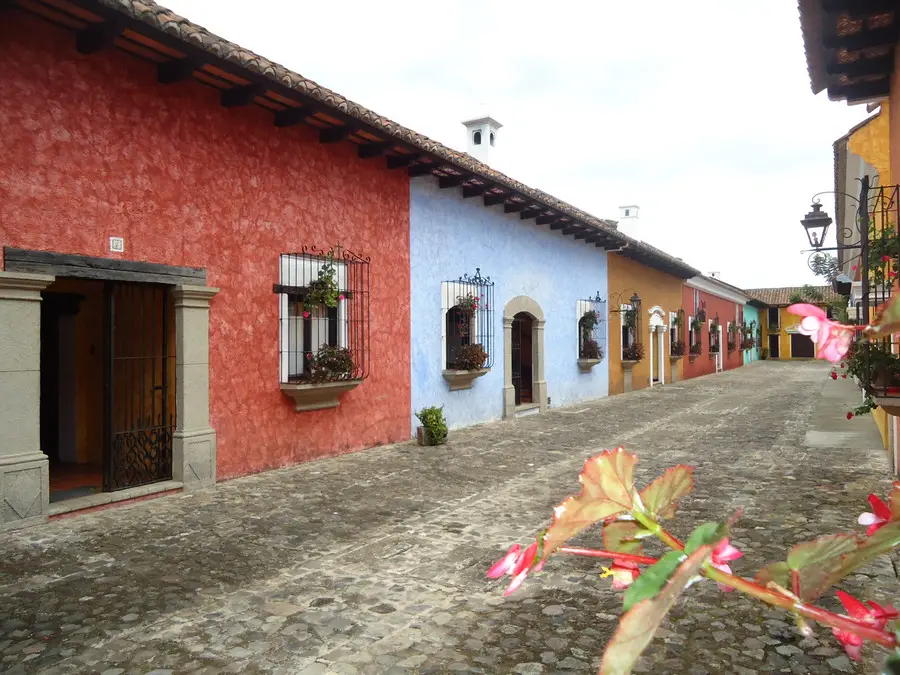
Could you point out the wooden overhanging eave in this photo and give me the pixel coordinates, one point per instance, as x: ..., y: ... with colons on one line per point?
x: 100, y: 26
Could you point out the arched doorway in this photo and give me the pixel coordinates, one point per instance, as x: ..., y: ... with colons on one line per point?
x: 658, y: 332
x: 523, y: 345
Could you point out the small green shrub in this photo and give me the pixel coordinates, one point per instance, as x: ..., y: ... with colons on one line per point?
x: 435, y: 425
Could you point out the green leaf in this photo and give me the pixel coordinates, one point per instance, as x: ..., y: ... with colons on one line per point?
x: 778, y: 572
x: 661, y: 496
x: 637, y: 627
x: 892, y: 664
x: 884, y: 540
x: 707, y: 533
x: 620, y: 537
x: 607, y: 489
x: 651, y: 580
x: 817, y: 562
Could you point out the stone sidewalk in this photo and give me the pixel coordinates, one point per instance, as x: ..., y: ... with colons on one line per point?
x: 374, y: 562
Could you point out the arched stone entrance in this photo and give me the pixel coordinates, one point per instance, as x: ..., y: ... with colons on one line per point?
x: 523, y: 327
x: 658, y: 333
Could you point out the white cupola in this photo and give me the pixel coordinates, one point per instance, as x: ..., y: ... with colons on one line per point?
x: 481, y: 133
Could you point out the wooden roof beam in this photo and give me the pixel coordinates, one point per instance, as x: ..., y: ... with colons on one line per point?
x: 400, y: 161
x: 863, y: 39
x: 546, y: 219
x: 474, y: 190
x: 493, y: 199
x: 452, y: 181
x: 862, y: 67
x: 240, y: 96
x: 858, y: 6
x: 370, y: 150
x: 417, y: 169
x: 336, y: 134
x: 527, y: 214
x: 559, y: 224
x: 513, y: 207
x: 292, y: 116
x: 177, y: 70
x: 97, y: 37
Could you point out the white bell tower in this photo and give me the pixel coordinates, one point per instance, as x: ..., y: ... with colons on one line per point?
x: 481, y: 133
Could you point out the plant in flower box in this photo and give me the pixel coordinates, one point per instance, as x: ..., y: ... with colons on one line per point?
x: 633, y: 352
x: 470, y: 357
x: 677, y: 348
x: 696, y: 349
x: 631, y: 521
x: 590, y: 349
x: 329, y: 364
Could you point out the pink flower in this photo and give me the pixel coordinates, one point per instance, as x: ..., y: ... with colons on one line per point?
x: 849, y: 416
x: 721, y: 556
x: 305, y: 315
x: 874, y: 614
x: 832, y: 338
x: 623, y: 574
x: 833, y: 375
x: 844, y: 376
x: 853, y: 268
x: 341, y: 296
x: 308, y: 356
x: 517, y: 564
x: 879, y: 517
x: 885, y: 258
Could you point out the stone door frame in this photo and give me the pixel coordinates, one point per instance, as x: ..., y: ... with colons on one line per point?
x: 524, y: 304
x: 24, y: 468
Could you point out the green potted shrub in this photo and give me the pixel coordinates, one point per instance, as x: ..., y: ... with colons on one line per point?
x: 433, y: 430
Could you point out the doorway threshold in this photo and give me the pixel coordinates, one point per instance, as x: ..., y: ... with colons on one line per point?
x: 104, y: 498
x: 527, y: 409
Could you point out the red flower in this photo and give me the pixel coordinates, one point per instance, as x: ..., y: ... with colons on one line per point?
x: 879, y: 517
x: 721, y: 556
x: 623, y: 574
x: 842, y: 364
x: 305, y: 315
x: 833, y: 375
x: 517, y: 564
x: 885, y: 258
x: 849, y: 416
x: 873, y: 614
x: 341, y: 296
x: 853, y: 267
x: 892, y: 274
x: 844, y: 376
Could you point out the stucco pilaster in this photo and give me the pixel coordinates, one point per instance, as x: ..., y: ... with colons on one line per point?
x: 540, y: 384
x: 24, y: 472
x: 509, y: 392
x: 194, y: 445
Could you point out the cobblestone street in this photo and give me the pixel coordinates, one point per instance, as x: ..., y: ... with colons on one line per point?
x: 375, y: 562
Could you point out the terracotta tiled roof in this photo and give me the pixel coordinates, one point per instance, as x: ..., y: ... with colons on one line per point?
x: 182, y: 30
x: 781, y: 297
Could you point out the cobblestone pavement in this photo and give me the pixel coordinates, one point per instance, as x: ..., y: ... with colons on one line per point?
x: 374, y: 562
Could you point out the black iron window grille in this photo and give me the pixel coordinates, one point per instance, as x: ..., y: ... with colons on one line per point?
x: 676, y: 331
x: 773, y: 322
x: 877, y: 363
x: 468, y: 322
x: 714, y: 338
x: 631, y: 329
x: 591, y: 314
x: 323, y: 300
x: 732, y: 336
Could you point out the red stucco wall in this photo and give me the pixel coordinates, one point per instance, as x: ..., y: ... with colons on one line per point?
x: 703, y: 364
x: 93, y: 147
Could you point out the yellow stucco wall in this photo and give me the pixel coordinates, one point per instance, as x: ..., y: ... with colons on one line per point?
x: 873, y: 143
x: 786, y: 320
x: 654, y: 288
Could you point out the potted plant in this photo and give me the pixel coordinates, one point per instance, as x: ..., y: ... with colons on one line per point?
x: 633, y: 354
x: 433, y: 430
x: 468, y: 304
x: 676, y: 350
x: 590, y: 354
x: 468, y: 365
x: 329, y: 364
x: 324, y: 289
x: 763, y: 354
x: 701, y: 314
x: 696, y: 350
x: 327, y: 375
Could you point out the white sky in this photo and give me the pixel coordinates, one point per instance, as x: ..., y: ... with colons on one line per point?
x: 700, y: 112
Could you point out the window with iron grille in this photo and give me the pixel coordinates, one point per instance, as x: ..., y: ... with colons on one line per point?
x: 323, y: 316
x: 591, y: 314
x: 467, y: 307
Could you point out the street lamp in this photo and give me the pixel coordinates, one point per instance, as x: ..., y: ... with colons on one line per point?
x: 816, y: 225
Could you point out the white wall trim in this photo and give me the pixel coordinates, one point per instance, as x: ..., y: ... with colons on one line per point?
x: 713, y: 287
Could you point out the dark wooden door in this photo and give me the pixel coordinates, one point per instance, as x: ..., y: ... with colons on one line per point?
x: 774, y: 347
x: 802, y: 347
x: 516, y: 348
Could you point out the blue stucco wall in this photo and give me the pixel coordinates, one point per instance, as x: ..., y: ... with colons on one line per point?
x: 450, y: 236
x: 751, y: 314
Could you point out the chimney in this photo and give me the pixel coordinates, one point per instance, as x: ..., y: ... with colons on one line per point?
x: 481, y: 134
x: 630, y: 211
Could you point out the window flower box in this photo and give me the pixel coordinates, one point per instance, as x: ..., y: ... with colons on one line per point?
x: 586, y: 365
x: 318, y: 395
x: 463, y: 379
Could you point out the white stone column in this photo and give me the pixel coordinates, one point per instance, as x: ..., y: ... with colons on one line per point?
x: 194, y: 445
x: 24, y: 469
x: 509, y: 392
x: 537, y: 359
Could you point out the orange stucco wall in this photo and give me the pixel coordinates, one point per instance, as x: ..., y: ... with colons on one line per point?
x: 655, y: 288
x: 894, y: 114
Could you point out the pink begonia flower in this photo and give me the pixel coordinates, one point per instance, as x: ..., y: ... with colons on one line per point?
x: 885, y: 258
x: 623, y: 574
x: 721, y: 556
x: 517, y: 564
x: 879, y: 517
x: 832, y: 338
x: 853, y: 268
x: 305, y: 315
x: 341, y: 296
x: 874, y: 614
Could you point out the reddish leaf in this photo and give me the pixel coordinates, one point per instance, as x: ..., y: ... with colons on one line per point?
x: 778, y: 572
x: 885, y: 539
x: 637, y: 627
x: 620, y: 537
x: 817, y: 561
x: 607, y: 489
x: 661, y: 496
